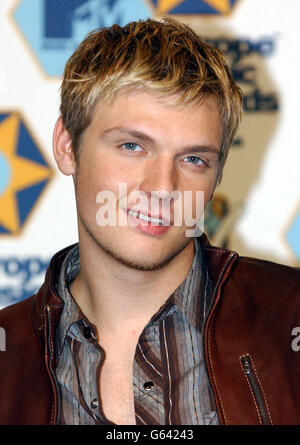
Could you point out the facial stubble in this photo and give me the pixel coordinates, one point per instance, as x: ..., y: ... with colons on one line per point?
x: 137, y: 265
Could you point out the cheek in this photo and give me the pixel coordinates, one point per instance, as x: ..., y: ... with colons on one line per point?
x: 87, y: 186
x: 201, y: 192
x: 93, y: 180
x: 203, y: 182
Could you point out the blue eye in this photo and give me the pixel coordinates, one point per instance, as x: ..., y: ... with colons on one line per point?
x: 131, y: 146
x: 195, y: 160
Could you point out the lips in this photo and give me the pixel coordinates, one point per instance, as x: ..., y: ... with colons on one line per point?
x: 147, y: 216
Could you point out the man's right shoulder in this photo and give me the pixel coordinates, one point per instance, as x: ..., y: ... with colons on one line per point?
x: 23, y: 310
x: 17, y: 313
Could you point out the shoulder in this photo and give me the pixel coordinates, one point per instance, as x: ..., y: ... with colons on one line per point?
x: 266, y: 266
x: 264, y: 272
x: 250, y: 276
x: 247, y: 270
x: 258, y: 283
x: 16, y: 319
x: 19, y: 308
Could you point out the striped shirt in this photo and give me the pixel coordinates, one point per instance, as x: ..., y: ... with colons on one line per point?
x: 169, y: 377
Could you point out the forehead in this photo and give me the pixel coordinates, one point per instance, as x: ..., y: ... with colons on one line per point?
x: 161, y: 123
x: 156, y: 125
x: 142, y: 104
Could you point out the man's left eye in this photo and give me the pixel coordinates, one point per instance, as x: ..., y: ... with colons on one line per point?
x: 195, y: 160
x: 131, y: 146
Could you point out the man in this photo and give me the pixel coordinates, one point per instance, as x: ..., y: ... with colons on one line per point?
x: 142, y: 323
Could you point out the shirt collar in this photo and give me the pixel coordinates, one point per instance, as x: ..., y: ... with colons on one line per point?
x: 71, y: 312
x: 187, y: 297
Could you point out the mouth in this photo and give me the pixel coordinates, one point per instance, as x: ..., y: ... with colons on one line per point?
x: 153, y: 220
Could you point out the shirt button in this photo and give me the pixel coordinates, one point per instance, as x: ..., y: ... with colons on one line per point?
x: 94, y: 403
x: 148, y: 386
x: 87, y: 332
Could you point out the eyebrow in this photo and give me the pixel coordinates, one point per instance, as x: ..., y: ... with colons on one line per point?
x: 146, y: 138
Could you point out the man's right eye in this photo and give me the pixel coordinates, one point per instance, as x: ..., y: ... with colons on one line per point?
x: 131, y: 146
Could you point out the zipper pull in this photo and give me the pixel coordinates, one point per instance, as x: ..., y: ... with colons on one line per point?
x: 246, y: 365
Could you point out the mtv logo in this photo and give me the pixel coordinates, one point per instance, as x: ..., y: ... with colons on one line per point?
x: 57, y: 27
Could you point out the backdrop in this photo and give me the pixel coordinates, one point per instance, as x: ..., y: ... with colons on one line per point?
x: 255, y: 211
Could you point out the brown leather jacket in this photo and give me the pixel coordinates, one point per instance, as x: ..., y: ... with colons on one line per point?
x: 252, y: 367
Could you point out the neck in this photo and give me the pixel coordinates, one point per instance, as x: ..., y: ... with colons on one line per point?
x: 115, y: 297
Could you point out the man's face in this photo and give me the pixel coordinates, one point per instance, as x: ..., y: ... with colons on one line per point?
x: 141, y: 141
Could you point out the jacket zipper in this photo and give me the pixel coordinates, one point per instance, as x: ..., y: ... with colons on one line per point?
x: 257, y: 392
x: 51, y: 357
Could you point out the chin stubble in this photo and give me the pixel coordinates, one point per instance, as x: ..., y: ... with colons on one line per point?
x: 132, y: 264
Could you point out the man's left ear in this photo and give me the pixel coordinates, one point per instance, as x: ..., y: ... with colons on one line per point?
x: 62, y: 149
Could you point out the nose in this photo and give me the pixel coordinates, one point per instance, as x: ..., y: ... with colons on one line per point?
x: 159, y: 176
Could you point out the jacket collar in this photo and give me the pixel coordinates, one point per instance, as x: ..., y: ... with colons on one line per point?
x: 216, y: 258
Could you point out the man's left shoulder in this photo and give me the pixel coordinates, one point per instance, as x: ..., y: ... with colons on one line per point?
x: 267, y: 274
x: 267, y: 266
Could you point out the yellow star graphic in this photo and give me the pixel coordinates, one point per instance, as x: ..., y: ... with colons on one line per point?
x: 24, y: 173
x: 164, y: 6
x: 222, y: 6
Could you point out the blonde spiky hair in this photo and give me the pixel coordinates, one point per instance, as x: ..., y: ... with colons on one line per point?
x: 164, y: 56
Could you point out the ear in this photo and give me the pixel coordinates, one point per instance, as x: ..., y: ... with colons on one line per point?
x: 62, y: 149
